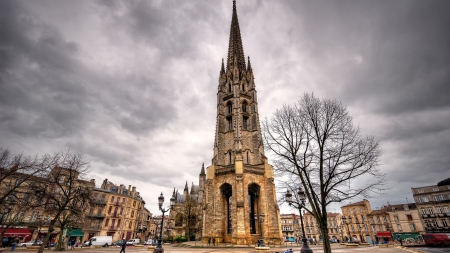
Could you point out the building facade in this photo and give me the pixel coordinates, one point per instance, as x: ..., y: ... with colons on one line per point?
x: 433, y: 204
x: 405, y: 221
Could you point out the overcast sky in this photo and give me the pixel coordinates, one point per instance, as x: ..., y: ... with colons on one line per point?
x: 132, y: 84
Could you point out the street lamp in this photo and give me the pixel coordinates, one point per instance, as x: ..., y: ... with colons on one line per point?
x: 159, y: 247
x: 261, y: 221
x: 302, y: 197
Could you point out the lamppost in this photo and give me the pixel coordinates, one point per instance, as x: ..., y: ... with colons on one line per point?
x: 261, y: 221
x: 302, y: 198
x: 344, y: 219
x: 159, y: 247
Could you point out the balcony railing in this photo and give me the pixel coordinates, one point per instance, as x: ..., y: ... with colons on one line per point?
x: 118, y: 203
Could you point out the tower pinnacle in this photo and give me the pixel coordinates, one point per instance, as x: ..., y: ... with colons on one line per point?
x: 235, y: 48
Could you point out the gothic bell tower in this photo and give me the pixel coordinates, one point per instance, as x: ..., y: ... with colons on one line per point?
x: 240, y: 196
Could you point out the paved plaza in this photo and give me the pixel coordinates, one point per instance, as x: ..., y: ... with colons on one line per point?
x: 296, y: 249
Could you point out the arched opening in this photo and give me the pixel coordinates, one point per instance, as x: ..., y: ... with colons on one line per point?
x: 179, y: 220
x: 230, y: 107
x: 253, y: 193
x: 229, y: 87
x: 229, y: 157
x: 244, y: 106
x: 227, y: 191
x: 243, y: 87
x: 247, y: 156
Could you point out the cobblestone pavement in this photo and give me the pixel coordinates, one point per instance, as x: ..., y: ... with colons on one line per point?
x: 315, y: 248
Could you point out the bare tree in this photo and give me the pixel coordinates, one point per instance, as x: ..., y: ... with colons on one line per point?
x: 17, y: 173
x: 316, y: 146
x: 64, y: 191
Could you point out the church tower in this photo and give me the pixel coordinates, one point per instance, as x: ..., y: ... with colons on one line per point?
x: 239, y: 189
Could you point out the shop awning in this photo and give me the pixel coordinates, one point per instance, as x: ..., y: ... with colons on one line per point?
x: 17, y: 232
x: 405, y: 236
x: 75, y: 232
x: 383, y: 234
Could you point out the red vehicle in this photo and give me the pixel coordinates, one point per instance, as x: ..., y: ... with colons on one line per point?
x: 437, y: 239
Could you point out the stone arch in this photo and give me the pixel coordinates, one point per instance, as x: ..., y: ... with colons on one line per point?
x: 253, y: 200
x: 244, y: 106
x: 226, y: 191
x: 179, y: 220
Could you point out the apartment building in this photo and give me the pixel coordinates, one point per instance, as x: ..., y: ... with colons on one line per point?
x: 433, y: 204
x: 288, y: 227
x: 405, y: 221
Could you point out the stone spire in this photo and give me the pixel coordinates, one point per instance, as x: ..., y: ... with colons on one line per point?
x: 202, y: 172
x: 249, y: 67
x: 192, y: 189
x: 186, y: 189
x: 235, y: 48
x: 222, y: 69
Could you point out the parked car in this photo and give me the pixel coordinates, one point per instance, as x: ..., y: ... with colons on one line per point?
x: 26, y: 244
x: 118, y: 243
x: 148, y: 242
x: 437, y: 239
x: 134, y: 241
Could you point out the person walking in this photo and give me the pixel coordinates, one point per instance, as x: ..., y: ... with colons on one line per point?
x: 209, y: 241
x: 214, y: 241
x: 400, y: 240
x: 14, y: 244
x: 124, y: 246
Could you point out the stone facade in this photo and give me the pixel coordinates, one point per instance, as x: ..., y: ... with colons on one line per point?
x: 433, y: 204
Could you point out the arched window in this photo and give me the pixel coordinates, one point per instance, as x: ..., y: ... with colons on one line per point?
x: 179, y: 220
x: 230, y: 107
x: 244, y: 123
x: 244, y: 106
x: 243, y: 87
x: 248, y: 157
x: 230, y: 123
x: 229, y: 157
x: 229, y: 87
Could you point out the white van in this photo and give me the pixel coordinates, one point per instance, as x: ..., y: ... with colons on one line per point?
x: 134, y: 241
x: 103, y: 241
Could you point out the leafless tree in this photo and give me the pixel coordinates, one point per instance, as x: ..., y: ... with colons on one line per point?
x: 64, y: 191
x: 317, y: 147
x: 17, y: 173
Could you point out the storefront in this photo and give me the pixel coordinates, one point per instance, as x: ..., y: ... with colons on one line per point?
x: 384, y: 237
x: 43, y: 232
x: 408, y: 236
x: 21, y: 234
x: 75, y: 234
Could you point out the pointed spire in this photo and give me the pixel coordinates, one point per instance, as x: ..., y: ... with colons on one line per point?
x: 235, y: 48
x: 186, y: 186
x: 192, y: 189
x: 202, y: 172
x: 249, y: 66
x: 222, y: 70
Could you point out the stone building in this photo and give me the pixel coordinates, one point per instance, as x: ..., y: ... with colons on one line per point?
x: 288, y: 226
x: 122, y: 211
x: 405, y: 221
x: 433, y: 203
x: 334, y: 224
x: 356, y: 223
x: 237, y: 193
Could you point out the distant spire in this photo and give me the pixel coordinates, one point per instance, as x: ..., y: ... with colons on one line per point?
x: 186, y: 186
x: 249, y: 67
x: 202, y: 172
x: 235, y: 47
x: 222, y: 69
x: 192, y: 189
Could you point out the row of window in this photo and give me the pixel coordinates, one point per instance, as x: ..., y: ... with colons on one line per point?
x: 434, y: 223
x: 242, y: 86
x: 439, y: 210
x: 435, y: 198
x: 435, y: 189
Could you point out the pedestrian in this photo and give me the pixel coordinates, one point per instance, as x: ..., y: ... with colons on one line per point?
x: 14, y: 244
x: 124, y: 246
x: 400, y: 240
x: 214, y: 241
x: 209, y: 241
